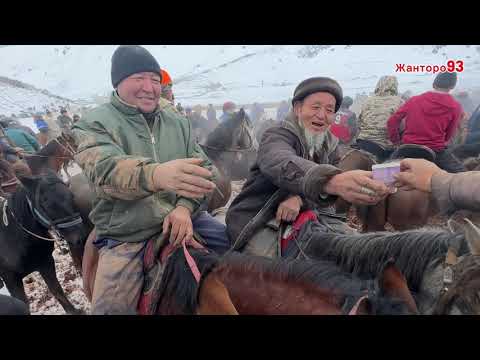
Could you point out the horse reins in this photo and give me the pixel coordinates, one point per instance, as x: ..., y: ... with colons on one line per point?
x: 52, y: 225
x: 169, y: 249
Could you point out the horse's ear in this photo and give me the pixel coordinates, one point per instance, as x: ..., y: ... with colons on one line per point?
x: 393, y: 284
x: 472, y: 234
x: 364, y: 307
x: 454, y: 226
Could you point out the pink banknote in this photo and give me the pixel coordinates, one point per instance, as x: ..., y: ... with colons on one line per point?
x: 385, y: 172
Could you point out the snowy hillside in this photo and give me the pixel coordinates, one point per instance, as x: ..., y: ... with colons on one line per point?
x: 20, y: 98
x: 216, y: 73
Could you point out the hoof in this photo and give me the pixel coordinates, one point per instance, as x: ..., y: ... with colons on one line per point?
x: 76, y: 312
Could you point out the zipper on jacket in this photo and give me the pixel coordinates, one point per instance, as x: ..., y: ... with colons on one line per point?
x: 152, y: 137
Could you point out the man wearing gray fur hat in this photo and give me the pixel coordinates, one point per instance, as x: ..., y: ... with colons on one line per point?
x: 295, y: 179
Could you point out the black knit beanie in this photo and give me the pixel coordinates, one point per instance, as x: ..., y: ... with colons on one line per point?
x: 132, y: 59
x: 318, y: 84
x: 445, y: 80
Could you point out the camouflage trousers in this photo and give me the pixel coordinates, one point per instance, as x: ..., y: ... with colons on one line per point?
x: 119, y: 278
x: 120, y: 273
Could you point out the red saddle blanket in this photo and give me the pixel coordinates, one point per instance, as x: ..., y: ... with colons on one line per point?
x: 301, y: 219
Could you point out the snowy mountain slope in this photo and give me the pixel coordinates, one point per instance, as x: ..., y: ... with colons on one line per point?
x: 216, y: 73
x: 17, y: 98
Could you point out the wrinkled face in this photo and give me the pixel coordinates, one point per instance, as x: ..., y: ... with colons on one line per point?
x: 141, y: 90
x: 316, y: 112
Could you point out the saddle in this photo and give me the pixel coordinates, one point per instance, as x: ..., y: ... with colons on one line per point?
x: 154, y: 262
x: 379, y: 151
x: 414, y: 151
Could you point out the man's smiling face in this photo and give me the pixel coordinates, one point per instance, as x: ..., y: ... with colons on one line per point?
x: 316, y: 112
x: 141, y: 90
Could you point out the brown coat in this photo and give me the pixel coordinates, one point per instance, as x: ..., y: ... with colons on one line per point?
x: 457, y: 191
x: 283, y: 167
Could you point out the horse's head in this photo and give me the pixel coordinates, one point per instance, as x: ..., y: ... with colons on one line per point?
x: 391, y: 295
x: 53, y: 206
x: 459, y: 274
x: 242, y: 136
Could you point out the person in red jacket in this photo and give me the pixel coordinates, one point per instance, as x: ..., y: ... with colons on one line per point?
x: 344, y: 127
x: 431, y: 119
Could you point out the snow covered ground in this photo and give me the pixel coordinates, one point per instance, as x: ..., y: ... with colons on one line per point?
x: 244, y: 74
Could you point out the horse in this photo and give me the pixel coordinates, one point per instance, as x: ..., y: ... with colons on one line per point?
x: 262, y: 286
x: 426, y: 257
x: 55, y: 155
x: 403, y: 210
x: 38, y: 205
x: 232, y: 147
x: 258, y: 285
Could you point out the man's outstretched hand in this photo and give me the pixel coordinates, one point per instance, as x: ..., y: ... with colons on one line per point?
x: 357, y: 187
x: 185, y: 177
x: 416, y: 174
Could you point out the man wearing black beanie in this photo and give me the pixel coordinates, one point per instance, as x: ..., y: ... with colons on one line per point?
x: 149, y: 176
x: 431, y: 119
x: 295, y: 171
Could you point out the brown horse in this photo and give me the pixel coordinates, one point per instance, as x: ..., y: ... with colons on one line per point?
x: 262, y: 286
x: 257, y: 285
x: 57, y: 154
x: 402, y: 210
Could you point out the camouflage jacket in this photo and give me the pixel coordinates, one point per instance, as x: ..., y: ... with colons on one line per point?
x: 453, y: 192
x: 118, y: 153
x: 376, y: 111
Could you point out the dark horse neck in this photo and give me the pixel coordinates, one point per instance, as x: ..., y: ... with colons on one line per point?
x: 414, y: 251
x: 18, y: 204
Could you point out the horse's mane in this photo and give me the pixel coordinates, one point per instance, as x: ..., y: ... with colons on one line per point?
x: 326, y: 275
x: 364, y: 254
x: 38, y: 161
x: 179, y: 290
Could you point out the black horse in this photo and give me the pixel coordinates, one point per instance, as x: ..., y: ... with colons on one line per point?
x: 38, y: 205
x: 232, y: 146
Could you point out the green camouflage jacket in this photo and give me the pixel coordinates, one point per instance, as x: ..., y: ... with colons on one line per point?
x: 118, y: 153
x: 377, y: 110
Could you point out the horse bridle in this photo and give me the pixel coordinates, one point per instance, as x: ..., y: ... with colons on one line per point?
x: 444, y: 302
x: 52, y: 225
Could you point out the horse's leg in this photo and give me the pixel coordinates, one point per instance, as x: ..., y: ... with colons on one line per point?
x: 377, y: 217
x: 49, y: 275
x: 214, y: 298
x: 408, y: 209
x: 14, y: 285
